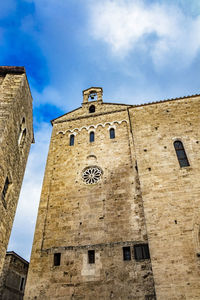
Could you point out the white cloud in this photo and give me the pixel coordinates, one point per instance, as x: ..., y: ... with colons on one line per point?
x: 49, y: 95
x: 162, y: 30
x: 24, y: 223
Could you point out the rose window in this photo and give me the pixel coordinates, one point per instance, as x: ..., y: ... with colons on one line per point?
x: 91, y: 175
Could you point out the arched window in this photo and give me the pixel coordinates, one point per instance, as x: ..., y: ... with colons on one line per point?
x: 23, y: 137
x: 112, y: 133
x: 71, y: 140
x: 91, y: 136
x: 92, y: 109
x: 181, y: 155
x: 22, y: 133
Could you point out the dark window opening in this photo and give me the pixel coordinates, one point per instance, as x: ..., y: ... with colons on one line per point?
x: 57, y: 257
x: 181, y: 155
x: 5, y: 190
x: 91, y: 256
x: 127, y: 253
x: 91, y: 136
x: 141, y: 251
x: 22, y: 284
x: 92, y: 109
x: 112, y: 133
x: 150, y: 297
x: 71, y: 140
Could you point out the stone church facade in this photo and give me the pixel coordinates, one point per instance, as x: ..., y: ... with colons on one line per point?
x: 119, y: 209
x: 16, y: 136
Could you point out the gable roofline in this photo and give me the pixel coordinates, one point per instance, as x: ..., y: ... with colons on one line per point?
x: 13, y: 253
x: 64, y: 115
x: 134, y: 105
x: 109, y: 103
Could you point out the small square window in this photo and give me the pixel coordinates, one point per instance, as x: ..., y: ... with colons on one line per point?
x: 127, y: 253
x: 91, y: 256
x: 57, y: 257
x: 141, y: 251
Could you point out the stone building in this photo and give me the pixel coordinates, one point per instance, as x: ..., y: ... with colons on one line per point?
x: 119, y: 209
x: 16, y: 136
x: 14, y: 275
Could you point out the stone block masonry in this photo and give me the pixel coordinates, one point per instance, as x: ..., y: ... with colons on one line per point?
x: 106, y: 197
x: 86, y: 231
x: 16, y: 136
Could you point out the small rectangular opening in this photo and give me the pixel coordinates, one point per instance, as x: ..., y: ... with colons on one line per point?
x: 91, y: 256
x: 141, y: 251
x: 71, y: 140
x: 57, y: 257
x: 127, y: 253
x: 22, y: 284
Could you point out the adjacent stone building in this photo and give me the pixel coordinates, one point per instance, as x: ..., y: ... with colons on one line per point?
x: 16, y: 136
x: 14, y: 275
x: 119, y: 209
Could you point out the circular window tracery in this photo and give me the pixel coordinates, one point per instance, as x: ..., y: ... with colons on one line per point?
x: 91, y: 175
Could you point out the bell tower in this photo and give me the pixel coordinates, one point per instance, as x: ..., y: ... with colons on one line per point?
x: 93, y: 94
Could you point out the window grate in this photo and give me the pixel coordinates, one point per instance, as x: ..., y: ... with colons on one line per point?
x: 141, y: 251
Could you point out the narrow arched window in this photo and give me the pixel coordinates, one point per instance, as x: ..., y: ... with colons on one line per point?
x: 22, y: 133
x: 92, y: 109
x: 71, y: 140
x: 181, y: 155
x: 91, y: 136
x: 23, y: 137
x: 112, y: 133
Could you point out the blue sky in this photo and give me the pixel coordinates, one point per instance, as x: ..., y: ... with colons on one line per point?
x: 137, y: 50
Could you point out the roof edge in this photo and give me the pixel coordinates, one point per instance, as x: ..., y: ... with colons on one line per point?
x: 165, y: 100
x: 133, y: 105
x: 17, y: 255
x: 11, y: 70
x: 92, y: 87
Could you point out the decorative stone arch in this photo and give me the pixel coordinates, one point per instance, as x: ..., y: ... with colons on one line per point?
x: 92, y: 127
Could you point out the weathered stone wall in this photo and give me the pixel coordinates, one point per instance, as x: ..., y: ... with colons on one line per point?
x: 75, y: 217
x: 15, y: 116
x: 14, y: 275
x: 171, y: 194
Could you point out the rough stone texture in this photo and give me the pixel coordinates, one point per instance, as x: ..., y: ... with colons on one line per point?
x: 171, y: 195
x: 144, y: 196
x: 74, y: 217
x: 15, y: 117
x: 14, y: 275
